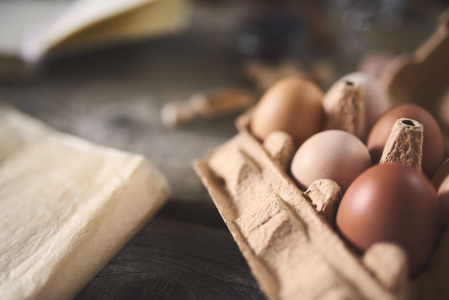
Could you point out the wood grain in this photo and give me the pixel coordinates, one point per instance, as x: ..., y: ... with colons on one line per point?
x: 175, y: 260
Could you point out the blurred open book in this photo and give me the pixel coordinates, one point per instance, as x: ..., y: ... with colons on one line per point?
x: 31, y: 29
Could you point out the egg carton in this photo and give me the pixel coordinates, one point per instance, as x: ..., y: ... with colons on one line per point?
x: 288, y: 237
x: 422, y: 77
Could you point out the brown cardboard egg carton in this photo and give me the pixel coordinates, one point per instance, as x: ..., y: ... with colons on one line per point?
x: 288, y: 236
x: 423, y: 77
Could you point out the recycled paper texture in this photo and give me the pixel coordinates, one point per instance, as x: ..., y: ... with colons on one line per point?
x: 66, y: 207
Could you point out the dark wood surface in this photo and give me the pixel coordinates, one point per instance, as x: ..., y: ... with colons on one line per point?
x: 113, y: 97
x: 172, y: 259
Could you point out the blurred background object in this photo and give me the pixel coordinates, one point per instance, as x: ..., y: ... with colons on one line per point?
x: 208, y: 105
x: 31, y: 30
x: 421, y: 77
x: 374, y: 63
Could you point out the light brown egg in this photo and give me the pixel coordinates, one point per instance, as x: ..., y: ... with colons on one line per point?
x: 293, y: 105
x: 331, y: 154
x: 374, y: 96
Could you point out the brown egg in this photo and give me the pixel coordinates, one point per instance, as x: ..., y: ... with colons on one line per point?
x: 433, y: 140
x: 391, y: 203
x: 374, y: 96
x: 293, y: 105
x: 331, y: 154
x: 441, y: 183
x: 441, y: 174
x: 443, y: 200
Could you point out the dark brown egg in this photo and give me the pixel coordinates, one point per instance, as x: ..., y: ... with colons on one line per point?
x: 441, y: 174
x: 293, y: 105
x: 443, y: 200
x: 441, y: 182
x: 391, y: 203
x: 433, y: 140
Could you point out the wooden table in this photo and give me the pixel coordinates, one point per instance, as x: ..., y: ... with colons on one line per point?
x: 113, y: 97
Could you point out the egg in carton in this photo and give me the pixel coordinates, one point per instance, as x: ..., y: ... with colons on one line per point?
x: 288, y: 237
